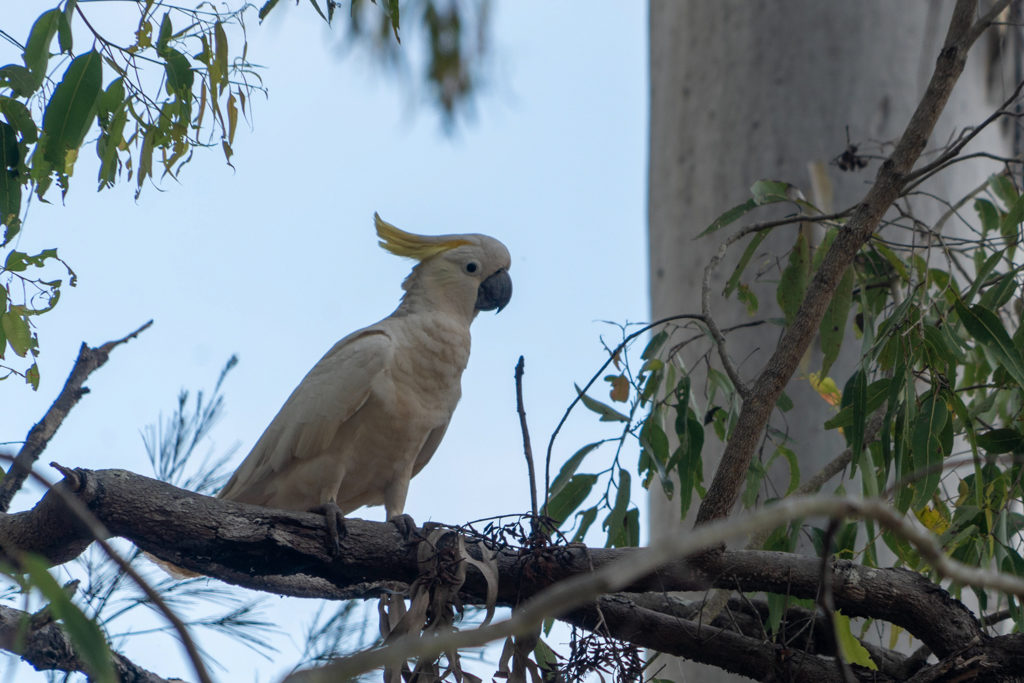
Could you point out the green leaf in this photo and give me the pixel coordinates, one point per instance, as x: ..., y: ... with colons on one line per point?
x: 793, y: 283
x: 632, y: 524
x: 850, y: 648
x: 654, y: 443
x: 166, y: 32
x: 266, y: 8
x: 773, y: 191
x: 989, y: 215
x: 10, y: 183
x: 570, y: 467
x: 18, y: 79
x: 179, y: 72
x: 652, y: 346
x: 748, y: 253
x: 219, y: 67
x: 20, y: 118
x: 607, y: 413
x: 988, y: 330
x: 570, y: 497
x: 794, y: 466
x: 393, y: 14
x: 64, y: 39
x: 1003, y: 440
x: 928, y: 447
x: 37, y: 49
x: 1003, y: 188
x: 1008, y: 227
x: 785, y: 403
x: 17, y: 331
x: 85, y: 634
x: 729, y: 216
x: 69, y: 112
x: 32, y: 377
x: 18, y: 261
x: 855, y: 396
x: 587, y: 518
x: 996, y: 296
x: 319, y: 11
x: 982, y: 274
x: 614, y: 523
x: 833, y: 326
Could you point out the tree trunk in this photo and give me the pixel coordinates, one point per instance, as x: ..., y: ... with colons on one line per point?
x: 744, y: 90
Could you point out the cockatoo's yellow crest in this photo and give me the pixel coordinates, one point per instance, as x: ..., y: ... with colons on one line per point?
x: 419, y: 247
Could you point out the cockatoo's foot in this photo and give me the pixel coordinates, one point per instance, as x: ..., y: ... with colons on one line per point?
x: 336, y: 529
x: 405, y: 525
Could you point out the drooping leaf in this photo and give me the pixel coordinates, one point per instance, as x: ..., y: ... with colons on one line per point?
x: 178, y: 71
x: 64, y: 38
x: 37, y: 49
x: 988, y: 214
x: 793, y: 282
x: 654, y: 345
x: 607, y: 413
x: 10, y: 183
x: 19, y: 79
x: 570, y: 467
x: 587, y: 518
x: 833, y: 326
x: 929, y: 447
x: 729, y: 216
x: 794, y: 466
x: 1003, y: 188
x: 987, y: 329
x: 20, y: 118
x: 748, y: 253
x: 851, y: 648
x: 1002, y: 440
x: 17, y: 331
x: 69, y: 112
x: 565, y: 502
x: 614, y: 523
x: 219, y: 66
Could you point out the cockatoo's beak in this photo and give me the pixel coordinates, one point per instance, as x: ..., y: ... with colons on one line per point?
x: 495, y: 292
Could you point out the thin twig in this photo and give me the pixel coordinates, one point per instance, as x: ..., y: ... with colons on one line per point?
x: 586, y: 387
x: 89, y: 359
x: 527, y: 448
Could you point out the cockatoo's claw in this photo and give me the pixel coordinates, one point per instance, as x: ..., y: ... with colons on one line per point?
x: 336, y: 529
x: 405, y: 525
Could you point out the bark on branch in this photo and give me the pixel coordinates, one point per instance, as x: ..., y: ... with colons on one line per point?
x: 45, y: 645
x: 283, y: 552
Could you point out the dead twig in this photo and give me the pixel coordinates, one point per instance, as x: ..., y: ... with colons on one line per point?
x: 89, y: 359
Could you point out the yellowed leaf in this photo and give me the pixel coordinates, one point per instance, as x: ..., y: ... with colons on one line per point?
x: 620, y: 389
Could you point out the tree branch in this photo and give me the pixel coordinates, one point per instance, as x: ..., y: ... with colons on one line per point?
x: 89, y: 359
x: 282, y: 552
x: 46, y: 646
x: 889, y: 184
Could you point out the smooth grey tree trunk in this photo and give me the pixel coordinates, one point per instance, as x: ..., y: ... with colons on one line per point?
x: 743, y: 90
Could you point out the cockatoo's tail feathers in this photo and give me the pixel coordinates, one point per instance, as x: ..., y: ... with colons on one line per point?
x: 419, y: 247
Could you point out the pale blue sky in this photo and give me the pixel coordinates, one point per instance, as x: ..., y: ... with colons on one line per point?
x: 277, y: 259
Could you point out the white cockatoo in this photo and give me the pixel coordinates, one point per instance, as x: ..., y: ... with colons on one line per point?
x: 372, y: 411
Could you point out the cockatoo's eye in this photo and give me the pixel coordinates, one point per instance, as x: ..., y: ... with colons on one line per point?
x: 472, y: 267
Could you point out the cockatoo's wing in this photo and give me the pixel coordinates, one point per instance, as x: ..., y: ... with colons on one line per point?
x: 329, y: 395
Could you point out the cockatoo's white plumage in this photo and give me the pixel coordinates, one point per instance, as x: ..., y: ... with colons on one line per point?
x: 372, y: 411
